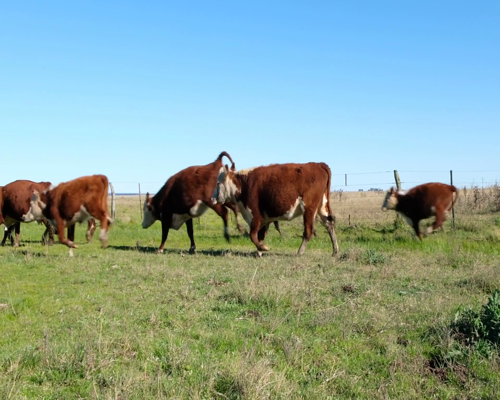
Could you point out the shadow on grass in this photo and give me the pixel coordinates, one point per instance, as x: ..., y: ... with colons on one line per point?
x: 208, y: 252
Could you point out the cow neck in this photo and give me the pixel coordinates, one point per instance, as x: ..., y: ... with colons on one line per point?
x: 403, y: 202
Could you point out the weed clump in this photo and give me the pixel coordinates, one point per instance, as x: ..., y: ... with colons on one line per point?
x: 480, y: 329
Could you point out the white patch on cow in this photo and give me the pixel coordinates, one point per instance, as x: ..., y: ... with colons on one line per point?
x: 390, y: 202
x: 295, y: 211
x: 433, y: 210
x: 194, y: 212
x: 245, y: 212
x: 37, y: 206
x: 148, y: 218
x: 323, y: 210
x: 28, y: 217
x: 178, y: 220
x: 80, y: 216
x: 103, y: 234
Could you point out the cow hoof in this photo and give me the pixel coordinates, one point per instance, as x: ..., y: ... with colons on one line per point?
x: 159, y: 251
x: 263, y: 247
x: 259, y: 253
x: 192, y: 250
x: 104, y: 244
x: 72, y: 245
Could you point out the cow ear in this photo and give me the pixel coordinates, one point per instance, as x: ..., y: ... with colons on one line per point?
x: 147, y: 196
x: 226, y: 167
x: 393, y: 190
x: 233, y: 168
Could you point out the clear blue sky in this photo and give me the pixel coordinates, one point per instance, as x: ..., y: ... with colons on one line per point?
x: 139, y: 90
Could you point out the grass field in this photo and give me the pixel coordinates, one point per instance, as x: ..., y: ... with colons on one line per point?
x: 374, y: 323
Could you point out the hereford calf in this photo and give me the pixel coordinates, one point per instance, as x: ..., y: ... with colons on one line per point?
x: 422, y: 202
x: 279, y: 192
x: 15, y: 206
x: 184, y: 196
x: 72, y: 202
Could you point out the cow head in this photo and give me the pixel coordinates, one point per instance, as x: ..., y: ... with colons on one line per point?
x: 150, y: 213
x: 391, y: 200
x: 37, y: 206
x: 224, y: 188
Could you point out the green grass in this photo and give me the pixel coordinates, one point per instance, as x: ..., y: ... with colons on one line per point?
x: 375, y: 323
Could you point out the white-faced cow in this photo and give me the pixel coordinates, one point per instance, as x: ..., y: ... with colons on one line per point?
x: 279, y: 192
x: 71, y: 202
x: 15, y: 206
x: 184, y: 196
x: 422, y: 202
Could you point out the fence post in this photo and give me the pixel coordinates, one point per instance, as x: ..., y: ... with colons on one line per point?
x: 140, y: 200
x: 398, y: 181
x: 398, y: 221
x: 113, y: 204
x: 345, y: 179
x: 452, y: 207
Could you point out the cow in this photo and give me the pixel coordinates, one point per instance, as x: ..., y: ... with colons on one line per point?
x: 15, y: 206
x: 184, y: 196
x: 421, y: 202
x: 71, y: 202
x: 279, y: 192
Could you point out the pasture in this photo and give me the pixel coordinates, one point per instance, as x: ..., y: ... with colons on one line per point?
x: 374, y: 323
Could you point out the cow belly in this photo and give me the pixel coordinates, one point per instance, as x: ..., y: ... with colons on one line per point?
x: 81, y: 216
x: 296, y: 210
x: 194, y: 212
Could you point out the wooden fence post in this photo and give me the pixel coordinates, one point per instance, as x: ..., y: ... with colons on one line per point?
x: 345, y: 179
x: 398, y: 222
x: 140, y: 200
x: 113, y: 204
x: 452, y: 207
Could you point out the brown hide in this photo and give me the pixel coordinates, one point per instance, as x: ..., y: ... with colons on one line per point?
x: 270, y: 192
x: 181, y: 193
x: 15, y: 203
x: 424, y: 201
x: 67, y: 199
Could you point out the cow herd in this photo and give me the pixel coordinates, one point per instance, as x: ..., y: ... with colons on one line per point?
x: 262, y: 195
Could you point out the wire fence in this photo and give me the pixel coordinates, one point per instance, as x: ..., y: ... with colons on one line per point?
x: 358, y: 196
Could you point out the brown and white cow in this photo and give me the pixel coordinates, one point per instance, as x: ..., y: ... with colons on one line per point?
x: 15, y: 206
x: 279, y: 192
x: 71, y: 202
x: 185, y: 195
x: 422, y: 202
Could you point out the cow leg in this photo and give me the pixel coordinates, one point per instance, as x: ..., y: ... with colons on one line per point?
x: 91, y: 227
x: 438, y: 223
x: 17, y: 227
x: 262, y: 233
x: 8, y: 234
x: 221, y: 210
x: 329, y: 223
x: 189, y: 227
x: 166, y: 221
x: 49, y: 231
x: 254, y: 236
x: 60, y: 234
x: 71, y: 233
x: 416, y: 228
x: 277, y: 226
x: 308, y: 229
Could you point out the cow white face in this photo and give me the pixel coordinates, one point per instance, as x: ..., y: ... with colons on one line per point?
x: 37, y: 206
x: 390, y: 201
x: 222, y: 192
x: 149, y: 213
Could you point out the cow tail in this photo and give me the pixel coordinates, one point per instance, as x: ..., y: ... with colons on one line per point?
x: 224, y: 153
x: 330, y: 217
x: 104, y: 200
